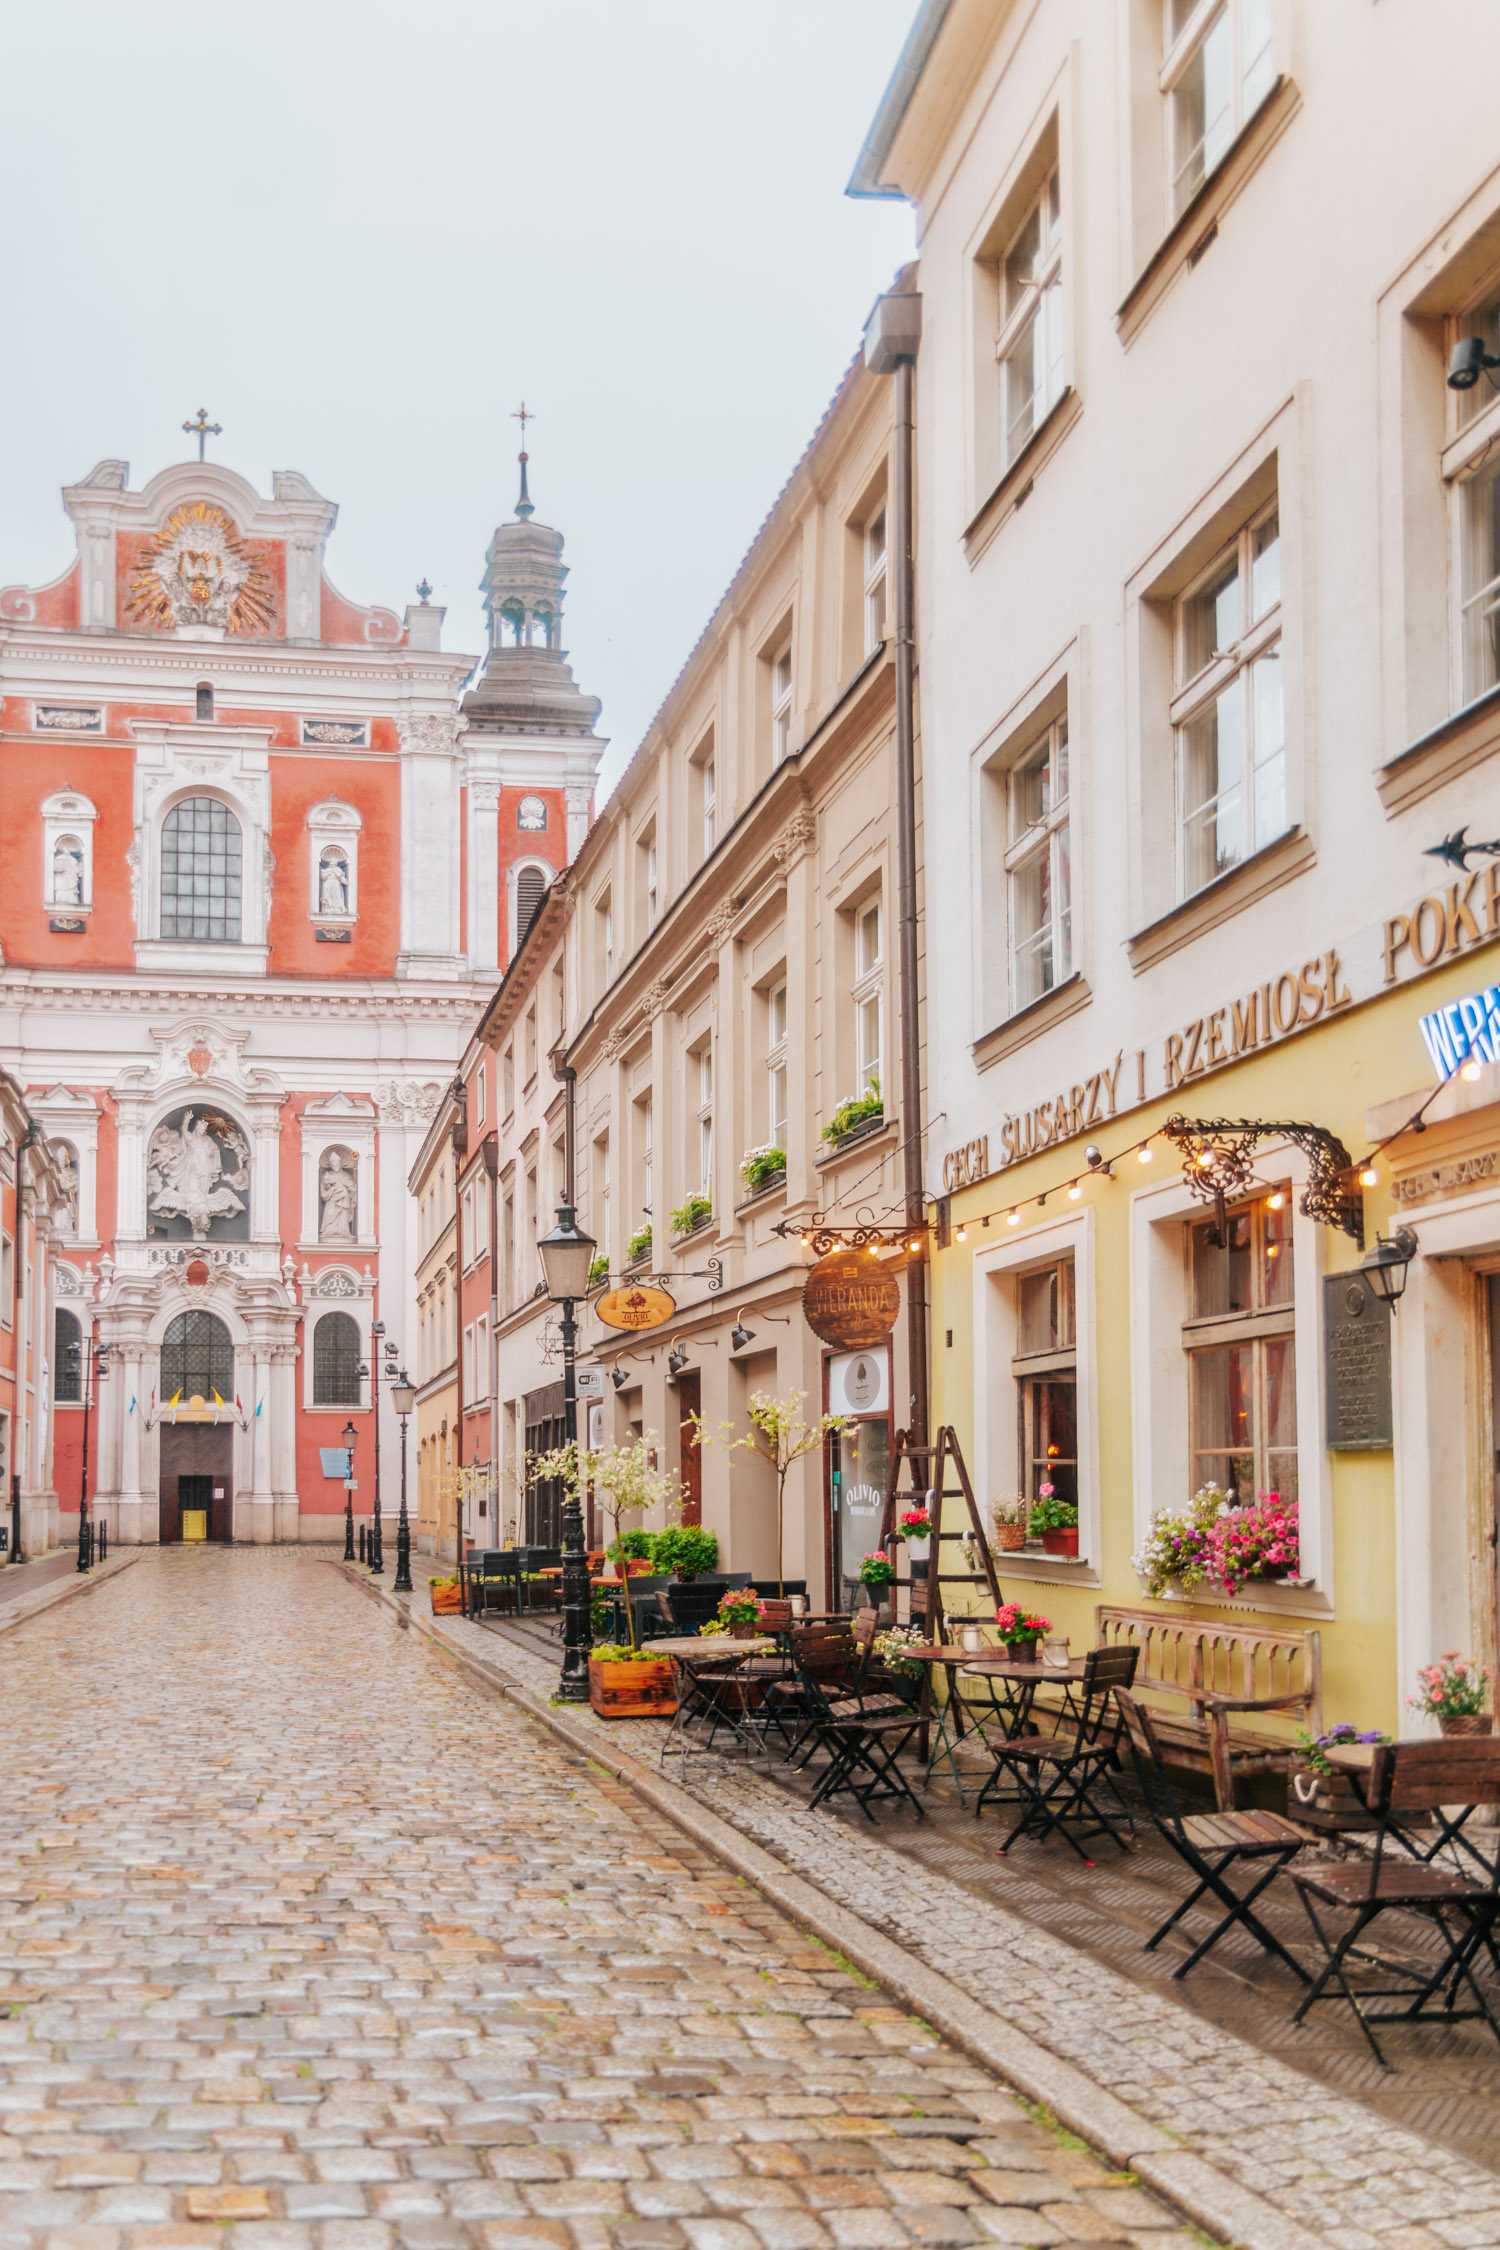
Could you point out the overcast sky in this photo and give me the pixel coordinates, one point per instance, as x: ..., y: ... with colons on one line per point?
x: 360, y: 232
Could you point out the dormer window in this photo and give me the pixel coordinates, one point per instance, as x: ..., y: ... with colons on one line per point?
x: 205, y: 700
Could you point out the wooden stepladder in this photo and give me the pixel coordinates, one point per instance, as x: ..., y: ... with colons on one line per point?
x: 938, y: 1473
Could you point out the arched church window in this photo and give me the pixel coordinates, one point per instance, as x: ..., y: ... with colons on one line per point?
x: 205, y: 700
x: 531, y: 885
x: 336, y: 1360
x: 200, y: 872
x: 512, y: 625
x: 531, y: 812
x: 197, y: 1359
x: 333, y: 880
x: 67, y: 1359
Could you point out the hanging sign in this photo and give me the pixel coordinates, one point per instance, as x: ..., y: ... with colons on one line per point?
x: 851, y: 1298
x: 859, y: 1382
x: 637, y: 1306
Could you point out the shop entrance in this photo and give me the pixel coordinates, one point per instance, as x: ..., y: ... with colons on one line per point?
x: 690, y: 1405
x: 858, y: 1464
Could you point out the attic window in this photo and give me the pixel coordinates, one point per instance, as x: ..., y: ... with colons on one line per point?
x: 205, y: 700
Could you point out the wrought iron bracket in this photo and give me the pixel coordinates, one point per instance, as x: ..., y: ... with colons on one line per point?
x: 1218, y: 1163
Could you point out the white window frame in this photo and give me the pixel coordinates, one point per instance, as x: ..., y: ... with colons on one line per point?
x: 1260, y: 1325
x: 710, y: 804
x: 781, y: 704
x: 466, y: 1227
x: 481, y: 1388
x: 876, y: 578
x: 1037, y: 310
x: 481, y: 1200
x: 776, y: 1066
x: 1161, y: 1406
x: 1250, y: 81
x: 997, y: 1271
x: 1051, y: 833
x: 68, y: 815
x: 1470, y: 458
x: 1226, y: 668
x: 867, y: 992
x: 648, y: 879
x: 480, y: 1096
x: 705, y: 1118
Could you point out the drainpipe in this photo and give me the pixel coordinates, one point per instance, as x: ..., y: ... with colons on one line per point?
x: 19, y: 1418
x: 458, y: 1093
x: 489, y: 1149
x: 892, y: 336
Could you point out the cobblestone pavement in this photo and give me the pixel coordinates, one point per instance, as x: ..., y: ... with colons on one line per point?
x: 1337, y: 2167
x: 309, y: 1943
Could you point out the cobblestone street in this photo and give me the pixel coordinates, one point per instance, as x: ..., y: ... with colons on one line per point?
x: 309, y: 1943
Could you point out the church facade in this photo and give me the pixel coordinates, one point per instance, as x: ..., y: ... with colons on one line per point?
x: 261, y: 864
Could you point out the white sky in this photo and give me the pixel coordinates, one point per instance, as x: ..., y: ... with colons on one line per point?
x: 360, y: 232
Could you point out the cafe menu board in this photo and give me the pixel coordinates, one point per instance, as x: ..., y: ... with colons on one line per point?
x: 1356, y: 1364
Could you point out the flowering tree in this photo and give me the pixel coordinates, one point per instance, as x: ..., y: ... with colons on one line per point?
x: 779, y: 1436
x: 625, y: 1481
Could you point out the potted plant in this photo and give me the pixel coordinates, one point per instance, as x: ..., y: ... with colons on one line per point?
x: 1010, y: 1513
x: 598, y: 1270
x: 1317, y: 1792
x: 761, y: 1168
x: 1054, y: 1521
x: 686, y: 1550
x: 639, y: 1245
x: 690, y: 1216
x: 624, y: 1684
x: 1020, y: 1630
x: 624, y: 1480
x: 740, y: 1611
x: 915, y: 1528
x: 856, y: 1113
x: 633, y: 1553
x: 447, y: 1597
x: 891, y: 1646
x: 1453, y: 1692
x: 875, y: 1574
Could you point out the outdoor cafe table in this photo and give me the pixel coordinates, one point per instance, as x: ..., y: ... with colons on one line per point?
x: 1356, y: 1759
x: 1019, y: 1681
x: 698, y: 1659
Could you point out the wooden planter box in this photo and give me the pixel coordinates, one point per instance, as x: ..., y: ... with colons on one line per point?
x: 1324, y: 1800
x: 641, y: 1690
x: 446, y: 1601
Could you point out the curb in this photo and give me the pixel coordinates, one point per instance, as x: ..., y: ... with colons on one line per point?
x: 67, y: 1589
x: 1205, y: 2196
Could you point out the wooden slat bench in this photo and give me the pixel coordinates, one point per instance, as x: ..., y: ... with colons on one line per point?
x: 1217, y: 1670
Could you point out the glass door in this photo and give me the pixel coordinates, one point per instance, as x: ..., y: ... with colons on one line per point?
x: 859, y: 1472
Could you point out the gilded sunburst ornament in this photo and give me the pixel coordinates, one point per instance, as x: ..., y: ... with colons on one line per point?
x: 196, y: 571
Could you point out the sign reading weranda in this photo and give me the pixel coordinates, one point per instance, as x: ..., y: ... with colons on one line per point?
x: 851, y: 1299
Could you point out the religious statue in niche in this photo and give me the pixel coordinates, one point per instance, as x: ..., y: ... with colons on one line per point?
x: 196, y: 1161
x: 197, y: 571
x: 336, y: 1196
x: 333, y: 882
x: 67, y: 1164
x: 67, y: 872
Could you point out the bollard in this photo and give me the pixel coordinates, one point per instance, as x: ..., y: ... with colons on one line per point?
x: 361, y: 1542
x: 104, y: 1542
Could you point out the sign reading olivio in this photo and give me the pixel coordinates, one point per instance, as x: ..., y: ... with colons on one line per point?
x: 850, y: 1299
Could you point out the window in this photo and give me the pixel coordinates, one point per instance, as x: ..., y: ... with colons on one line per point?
x: 868, y: 989
x: 336, y: 1360
x: 1045, y: 1368
x: 1475, y: 484
x: 710, y: 805
x: 508, y: 1078
x: 7, y: 1281
x: 559, y: 997
x: 468, y: 1344
x: 204, y: 700
x: 200, y: 872
x: 467, y: 1226
x: 481, y: 1194
x: 648, y: 873
x: 781, y: 705
x: 197, y: 1357
x: 875, y: 582
x: 508, y: 1246
x: 531, y: 813
x: 604, y: 941
x: 603, y: 1187
x: 67, y: 1359
x: 1029, y: 345
x: 1241, y: 1349
x: 1038, y: 869
x: 776, y: 1119
x: 482, y: 1357
x: 1217, y: 71
x: 479, y: 1093
x: 531, y: 886
x: 705, y: 1061
x: 1227, y: 715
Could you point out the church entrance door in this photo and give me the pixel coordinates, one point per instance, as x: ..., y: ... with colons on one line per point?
x: 196, y: 1482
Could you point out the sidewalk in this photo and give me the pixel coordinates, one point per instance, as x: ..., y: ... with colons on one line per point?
x: 1247, y: 2146
x: 27, y: 1588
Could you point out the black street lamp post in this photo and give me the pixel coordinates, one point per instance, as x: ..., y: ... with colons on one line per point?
x: 566, y: 1256
x: 403, y: 1398
x: 377, y: 1551
x: 350, y: 1434
x: 92, y: 1362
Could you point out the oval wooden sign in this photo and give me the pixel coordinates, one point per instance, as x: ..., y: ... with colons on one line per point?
x: 635, y: 1306
x: 851, y: 1299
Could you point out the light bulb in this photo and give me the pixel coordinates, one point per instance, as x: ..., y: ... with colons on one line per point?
x: 1203, y: 1160
x: 1075, y: 1191
x: 1369, y: 1177
x: 1144, y: 1155
x: 1471, y: 1069
x: 962, y: 1235
x: 1274, y: 1202
x: 1013, y: 1218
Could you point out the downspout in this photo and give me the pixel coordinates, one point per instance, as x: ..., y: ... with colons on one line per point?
x: 20, y: 1419
x: 891, y: 341
x: 489, y: 1149
x: 458, y: 1092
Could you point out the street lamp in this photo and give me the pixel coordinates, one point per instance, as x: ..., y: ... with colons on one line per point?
x: 566, y: 1256
x: 404, y: 1399
x: 1385, y: 1266
x: 92, y: 1363
x: 350, y: 1434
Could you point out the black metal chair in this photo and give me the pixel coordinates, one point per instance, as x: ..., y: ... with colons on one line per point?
x: 864, y: 1737
x: 689, y: 1608
x: 1061, y: 1779
x: 1408, y: 1778
x: 1210, y: 1844
x: 774, y: 1590
x: 489, y: 1573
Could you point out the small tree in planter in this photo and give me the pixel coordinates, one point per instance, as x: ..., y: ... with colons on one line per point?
x: 625, y: 1483
x: 781, y: 1437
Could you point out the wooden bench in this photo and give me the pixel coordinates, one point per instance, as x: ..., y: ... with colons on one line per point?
x: 1218, y: 1670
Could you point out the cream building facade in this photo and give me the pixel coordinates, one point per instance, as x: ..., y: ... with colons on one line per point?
x: 433, y: 1366
x: 1208, y: 568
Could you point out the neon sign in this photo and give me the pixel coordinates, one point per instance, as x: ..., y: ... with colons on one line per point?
x: 1465, y: 1030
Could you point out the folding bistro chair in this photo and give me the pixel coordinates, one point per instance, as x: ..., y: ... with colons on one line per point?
x: 1408, y: 1778
x: 1210, y: 1844
x: 1060, y: 1778
x: 818, y: 1653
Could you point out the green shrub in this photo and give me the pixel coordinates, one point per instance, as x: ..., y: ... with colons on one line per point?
x: 685, y: 1549
x: 696, y: 1212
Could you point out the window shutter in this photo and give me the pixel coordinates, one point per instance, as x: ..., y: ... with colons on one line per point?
x: 531, y: 887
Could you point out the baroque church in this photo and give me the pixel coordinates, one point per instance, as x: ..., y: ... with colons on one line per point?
x: 264, y: 856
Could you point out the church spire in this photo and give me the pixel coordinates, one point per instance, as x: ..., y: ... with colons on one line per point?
x: 524, y: 509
